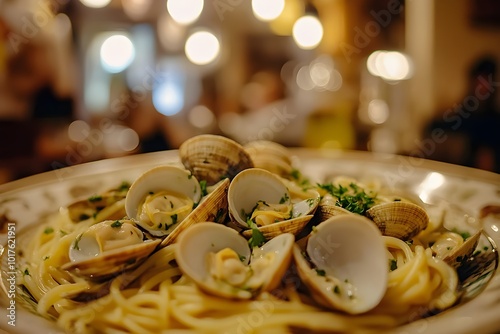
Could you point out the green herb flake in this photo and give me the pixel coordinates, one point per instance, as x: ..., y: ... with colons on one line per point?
x: 77, y: 241
x: 116, y: 224
x: 485, y: 248
x: 257, y: 238
x: 203, y: 186
x: 95, y: 198
x: 321, y: 272
x: 393, y: 264
x: 242, y: 258
x: 284, y: 199
x: 48, y: 230
x: 63, y: 233
x: 351, y: 198
x: 465, y: 235
x: 336, y: 290
x: 295, y: 174
x: 174, y: 219
x: 26, y: 272
x: 45, y: 258
x: 124, y: 186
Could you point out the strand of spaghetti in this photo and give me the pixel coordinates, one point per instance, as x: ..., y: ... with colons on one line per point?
x: 163, y: 276
x: 53, y: 295
x: 396, y: 243
x: 163, y: 309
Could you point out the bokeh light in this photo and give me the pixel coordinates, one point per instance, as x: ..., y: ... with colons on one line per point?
x: 117, y: 53
x: 168, y: 97
x: 390, y: 65
x: 307, y: 32
x: 378, y: 111
x: 202, y: 47
x: 267, y: 10
x: 201, y: 117
x: 95, y: 3
x: 185, y: 11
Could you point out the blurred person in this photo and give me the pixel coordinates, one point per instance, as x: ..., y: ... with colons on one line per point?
x: 471, y: 127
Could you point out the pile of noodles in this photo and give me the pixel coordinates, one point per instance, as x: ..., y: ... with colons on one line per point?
x: 156, y: 297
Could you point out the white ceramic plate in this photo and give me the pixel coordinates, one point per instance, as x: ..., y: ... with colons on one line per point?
x: 26, y: 200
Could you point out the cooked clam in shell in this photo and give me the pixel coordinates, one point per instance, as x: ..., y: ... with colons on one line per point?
x: 221, y: 262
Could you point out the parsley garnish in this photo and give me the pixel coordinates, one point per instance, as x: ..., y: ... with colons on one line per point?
x: 45, y: 258
x: 464, y: 235
x: 48, y: 230
x: 320, y: 272
x: 26, y: 272
x: 203, y: 186
x: 117, y: 224
x: 257, y: 238
x: 284, y: 199
x: 124, y: 186
x: 393, y: 264
x: 351, y: 198
x: 242, y: 258
x: 95, y: 198
x: 336, y: 290
x: 77, y: 240
x: 174, y: 219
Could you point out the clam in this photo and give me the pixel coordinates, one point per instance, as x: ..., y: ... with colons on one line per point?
x: 221, y: 262
x: 212, y: 157
x: 108, y: 248
x: 453, y: 249
x: 262, y: 197
x: 344, y: 264
x: 108, y: 205
x: 162, y: 198
x: 270, y: 156
x: 400, y: 219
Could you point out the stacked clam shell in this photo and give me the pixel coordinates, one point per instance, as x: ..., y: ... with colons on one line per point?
x: 270, y: 156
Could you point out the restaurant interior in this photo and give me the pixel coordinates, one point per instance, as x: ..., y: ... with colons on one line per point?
x: 85, y: 80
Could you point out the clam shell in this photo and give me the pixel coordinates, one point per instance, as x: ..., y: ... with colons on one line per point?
x: 213, y: 157
x: 293, y: 226
x: 463, y: 252
x: 92, y: 206
x: 349, y: 264
x: 402, y: 220
x: 171, y: 178
x: 212, y: 208
x: 195, y: 243
x: 270, y: 156
x: 109, y: 263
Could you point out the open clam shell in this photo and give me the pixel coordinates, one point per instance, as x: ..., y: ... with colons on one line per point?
x: 221, y: 262
x: 107, y: 249
x: 461, y: 252
x: 212, y: 157
x: 260, y: 195
x: 161, y: 198
x: 402, y: 220
x: 346, y: 266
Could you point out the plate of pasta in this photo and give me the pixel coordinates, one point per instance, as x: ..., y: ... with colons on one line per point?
x: 219, y: 237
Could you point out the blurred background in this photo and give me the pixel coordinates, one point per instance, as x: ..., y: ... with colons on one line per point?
x: 93, y: 79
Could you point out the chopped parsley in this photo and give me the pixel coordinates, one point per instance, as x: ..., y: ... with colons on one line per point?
x: 284, y: 199
x: 63, y: 233
x: 45, y: 258
x: 77, y: 241
x: 95, y: 198
x: 320, y: 272
x: 203, y: 186
x: 48, y: 230
x: 124, y: 186
x: 393, y: 264
x: 174, y: 219
x: 116, y: 224
x: 257, y: 238
x: 464, y: 235
x: 485, y: 248
x: 351, y: 198
x: 26, y: 272
x: 336, y: 290
x: 242, y: 258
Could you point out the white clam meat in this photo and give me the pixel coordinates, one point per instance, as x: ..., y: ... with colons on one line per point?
x: 108, y: 248
x: 346, y: 266
x: 263, y: 197
x: 161, y: 198
x: 221, y: 262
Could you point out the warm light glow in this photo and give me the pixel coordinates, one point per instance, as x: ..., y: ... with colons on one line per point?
x: 432, y: 181
x: 171, y: 34
x: 378, y: 111
x: 95, y: 3
x: 168, y: 98
x: 201, y: 117
x: 117, y: 53
x: 303, y: 79
x: 78, y: 130
x: 390, y: 65
x: 307, y: 32
x: 185, y: 11
x: 202, y: 47
x: 320, y: 74
x: 267, y: 10
x: 283, y: 24
x: 136, y: 9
